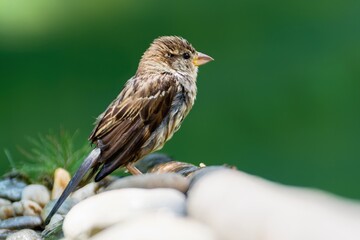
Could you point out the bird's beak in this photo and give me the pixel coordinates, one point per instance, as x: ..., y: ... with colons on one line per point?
x: 201, y: 59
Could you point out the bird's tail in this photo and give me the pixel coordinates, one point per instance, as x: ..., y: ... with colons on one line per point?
x: 88, y: 163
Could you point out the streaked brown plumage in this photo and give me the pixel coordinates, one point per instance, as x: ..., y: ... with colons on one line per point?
x: 146, y: 113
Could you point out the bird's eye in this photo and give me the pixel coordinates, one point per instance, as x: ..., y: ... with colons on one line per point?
x: 186, y: 55
x: 170, y: 55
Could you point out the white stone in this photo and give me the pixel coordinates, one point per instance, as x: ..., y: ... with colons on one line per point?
x: 240, y: 206
x: 61, y: 180
x: 158, y: 226
x: 85, y: 192
x: 7, y: 211
x: 4, y: 202
x: 108, y: 208
x: 31, y: 208
x: 37, y: 193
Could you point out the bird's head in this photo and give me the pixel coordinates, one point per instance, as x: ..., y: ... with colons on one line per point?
x: 172, y: 54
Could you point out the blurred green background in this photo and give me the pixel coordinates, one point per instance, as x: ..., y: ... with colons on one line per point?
x: 280, y: 101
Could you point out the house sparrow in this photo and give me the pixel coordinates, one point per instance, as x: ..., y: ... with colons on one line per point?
x: 146, y: 113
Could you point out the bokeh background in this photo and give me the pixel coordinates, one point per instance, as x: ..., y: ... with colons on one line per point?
x: 281, y: 100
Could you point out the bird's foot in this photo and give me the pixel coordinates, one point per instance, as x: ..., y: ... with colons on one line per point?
x: 133, y: 170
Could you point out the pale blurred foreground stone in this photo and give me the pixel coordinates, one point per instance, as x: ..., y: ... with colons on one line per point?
x: 36, y: 193
x: 25, y: 234
x: 61, y: 179
x: 240, y: 206
x: 108, y: 208
x: 158, y: 226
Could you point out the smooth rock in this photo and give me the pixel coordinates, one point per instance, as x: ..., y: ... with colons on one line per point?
x: 4, y: 202
x: 61, y: 179
x: 21, y: 222
x: 31, y: 208
x: 11, y: 188
x: 166, y: 180
x: 63, y: 210
x: 108, y: 208
x: 25, y: 234
x: 4, y: 233
x: 157, y: 227
x: 150, y: 161
x: 7, y: 211
x: 85, y: 192
x: 239, y: 206
x: 24, y: 207
x: 18, y: 208
x: 36, y: 193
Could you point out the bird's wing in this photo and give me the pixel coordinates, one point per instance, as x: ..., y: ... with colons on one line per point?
x: 129, y: 122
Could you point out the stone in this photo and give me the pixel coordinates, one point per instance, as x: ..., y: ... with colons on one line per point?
x: 21, y: 222
x: 85, y: 192
x: 36, y: 193
x: 18, y: 208
x: 11, y: 188
x: 158, y: 226
x: 31, y: 208
x: 7, y: 211
x: 63, y: 210
x: 23, y: 207
x: 61, y: 179
x: 25, y: 234
x: 150, y: 180
x: 4, y: 202
x: 161, y: 163
x: 108, y: 208
x: 4, y: 233
x: 239, y: 206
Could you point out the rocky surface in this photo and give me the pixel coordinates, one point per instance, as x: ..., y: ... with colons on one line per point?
x: 176, y: 200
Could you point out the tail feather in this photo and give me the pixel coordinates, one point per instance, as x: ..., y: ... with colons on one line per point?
x: 88, y: 163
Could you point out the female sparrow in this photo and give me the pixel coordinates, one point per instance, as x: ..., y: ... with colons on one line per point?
x: 146, y: 113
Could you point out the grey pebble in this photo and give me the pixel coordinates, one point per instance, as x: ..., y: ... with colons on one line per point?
x: 148, y: 181
x: 5, y: 232
x: 25, y: 234
x: 63, y: 210
x: 11, y: 188
x: 21, y: 222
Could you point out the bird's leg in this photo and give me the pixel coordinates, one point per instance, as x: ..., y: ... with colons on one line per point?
x: 132, y: 169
